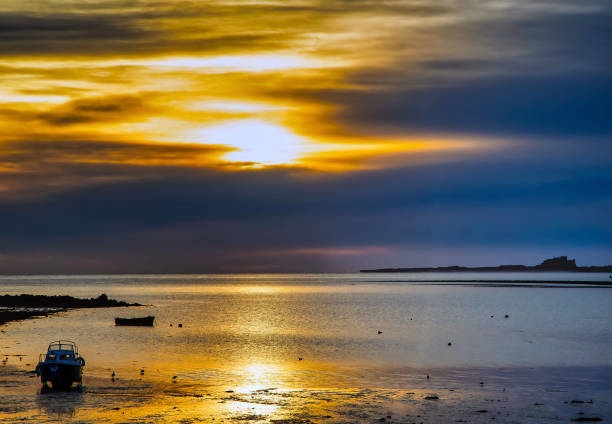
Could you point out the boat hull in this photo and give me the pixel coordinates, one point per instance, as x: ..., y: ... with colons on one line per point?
x: 141, y: 322
x: 60, y: 375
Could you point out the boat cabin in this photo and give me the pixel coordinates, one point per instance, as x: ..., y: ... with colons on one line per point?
x: 61, y: 351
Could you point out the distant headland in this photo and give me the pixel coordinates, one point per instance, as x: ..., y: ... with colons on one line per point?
x: 560, y: 263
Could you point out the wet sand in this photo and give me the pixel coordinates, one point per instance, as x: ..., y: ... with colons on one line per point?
x: 518, y: 395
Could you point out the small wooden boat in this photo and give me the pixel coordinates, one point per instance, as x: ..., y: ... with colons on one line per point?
x: 61, y: 365
x: 141, y: 322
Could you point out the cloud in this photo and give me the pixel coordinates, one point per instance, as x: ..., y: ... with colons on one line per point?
x: 544, y: 106
x: 35, y: 169
x: 179, y: 219
x: 449, y: 202
x: 95, y: 109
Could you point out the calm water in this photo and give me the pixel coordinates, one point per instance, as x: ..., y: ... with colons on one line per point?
x: 255, y: 327
x: 236, y: 358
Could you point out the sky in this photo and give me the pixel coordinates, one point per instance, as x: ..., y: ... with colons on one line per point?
x: 176, y: 136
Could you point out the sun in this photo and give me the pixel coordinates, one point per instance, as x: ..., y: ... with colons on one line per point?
x: 256, y: 141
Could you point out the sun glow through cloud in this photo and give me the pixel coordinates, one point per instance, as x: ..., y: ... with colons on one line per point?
x: 233, y: 106
x: 282, y: 95
x: 256, y: 141
x: 209, y: 64
x: 244, y: 63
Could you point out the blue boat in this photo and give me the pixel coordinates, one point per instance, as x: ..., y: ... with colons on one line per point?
x: 61, y: 366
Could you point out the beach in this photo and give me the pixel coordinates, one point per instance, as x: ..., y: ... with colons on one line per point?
x: 507, y: 395
x: 318, y: 348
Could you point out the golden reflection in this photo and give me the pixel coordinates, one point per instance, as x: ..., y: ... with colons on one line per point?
x: 258, y: 376
x: 250, y: 411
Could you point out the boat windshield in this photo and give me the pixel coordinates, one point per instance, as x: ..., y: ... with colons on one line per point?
x: 62, y: 345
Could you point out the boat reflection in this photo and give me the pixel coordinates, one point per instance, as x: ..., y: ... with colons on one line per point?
x: 59, y: 404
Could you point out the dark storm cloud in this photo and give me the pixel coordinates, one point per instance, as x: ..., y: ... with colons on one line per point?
x: 507, y: 201
x: 185, y: 219
x: 511, y: 73
x: 543, y: 105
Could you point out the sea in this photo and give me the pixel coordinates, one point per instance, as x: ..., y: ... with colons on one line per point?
x: 254, y: 347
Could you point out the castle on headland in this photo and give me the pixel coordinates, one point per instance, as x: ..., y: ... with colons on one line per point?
x: 558, y: 264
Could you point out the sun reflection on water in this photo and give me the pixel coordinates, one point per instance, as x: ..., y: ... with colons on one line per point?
x: 258, y: 376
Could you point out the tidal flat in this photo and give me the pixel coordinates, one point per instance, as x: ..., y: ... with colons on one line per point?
x: 505, y: 395
x: 306, y: 348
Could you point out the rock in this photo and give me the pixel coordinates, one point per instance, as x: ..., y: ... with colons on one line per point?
x: 432, y: 397
x: 379, y: 332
